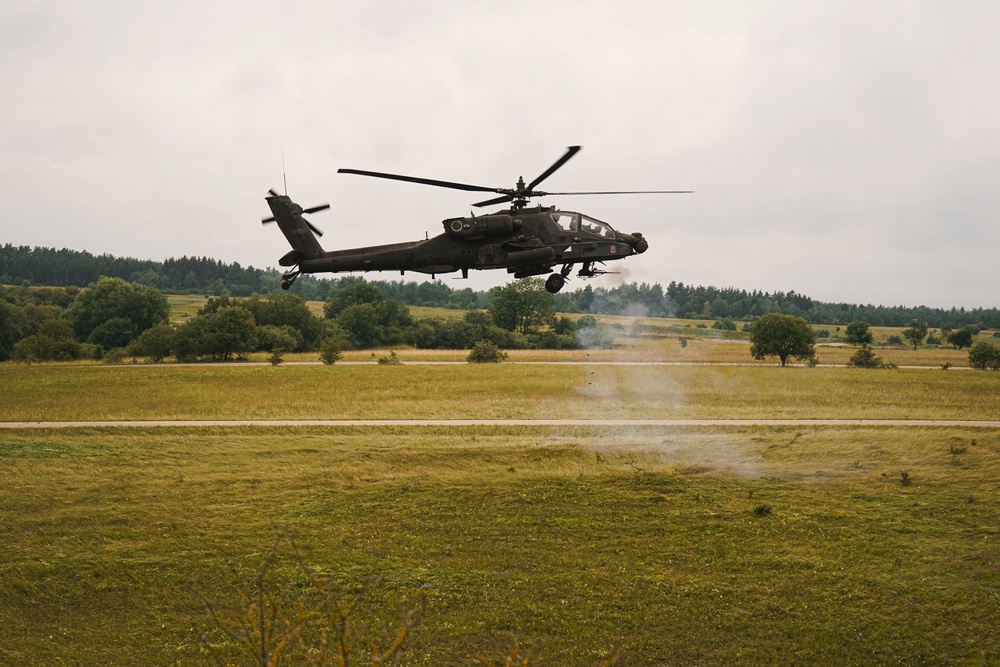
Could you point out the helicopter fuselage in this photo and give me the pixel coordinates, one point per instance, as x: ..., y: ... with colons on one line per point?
x: 525, y: 242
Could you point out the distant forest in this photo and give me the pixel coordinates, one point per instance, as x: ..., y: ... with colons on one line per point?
x: 24, y: 265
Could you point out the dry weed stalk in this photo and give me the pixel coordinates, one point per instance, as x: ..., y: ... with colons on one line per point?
x: 259, y: 626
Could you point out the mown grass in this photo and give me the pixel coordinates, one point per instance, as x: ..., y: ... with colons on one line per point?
x: 569, y: 541
x: 55, y: 392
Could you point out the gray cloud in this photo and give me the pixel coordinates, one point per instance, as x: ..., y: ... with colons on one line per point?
x: 845, y: 150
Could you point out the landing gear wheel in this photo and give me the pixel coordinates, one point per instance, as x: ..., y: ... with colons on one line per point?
x: 554, y: 283
x: 286, y: 284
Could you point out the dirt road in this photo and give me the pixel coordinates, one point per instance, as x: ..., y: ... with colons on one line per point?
x: 599, y: 423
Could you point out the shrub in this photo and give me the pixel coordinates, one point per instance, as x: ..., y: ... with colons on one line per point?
x: 391, y: 360
x: 485, y: 352
x: 933, y: 340
x: 329, y: 350
x: 894, y: 340
x: 858, y: 333
x: 984, y: 356
x: 865, y: 357
x: 823, y: 333
x: 683, y: 340
x: 725, y: 324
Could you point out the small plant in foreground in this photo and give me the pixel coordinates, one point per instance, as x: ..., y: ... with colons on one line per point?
x: 762, y: 510
x: 277, y: 356
x: 391, y: 360
x: 485, y: 352
x: 905, y: 478
x: 329, y: 351
x: 265, y: 625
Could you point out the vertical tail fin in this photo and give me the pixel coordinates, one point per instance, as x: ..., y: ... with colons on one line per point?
x: 301, y: 233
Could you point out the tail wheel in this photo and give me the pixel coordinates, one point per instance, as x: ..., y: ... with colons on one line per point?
x: 554, y: 283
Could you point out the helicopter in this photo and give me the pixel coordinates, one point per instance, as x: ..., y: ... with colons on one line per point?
x: 525, y: 240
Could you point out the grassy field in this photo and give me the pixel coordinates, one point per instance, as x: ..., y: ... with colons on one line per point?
x: 57, y: 392
x: 708, y: 546
x: 688, y: 546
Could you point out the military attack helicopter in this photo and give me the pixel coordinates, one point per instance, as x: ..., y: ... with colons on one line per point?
x: 527, y: 241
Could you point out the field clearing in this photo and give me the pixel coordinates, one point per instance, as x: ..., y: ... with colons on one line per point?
x: 569, y: 541
x: 679, y: 545
x: 58, y: 392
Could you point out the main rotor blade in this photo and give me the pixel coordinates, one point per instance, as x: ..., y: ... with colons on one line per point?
x: 573, y: 150
x: 273, y: 193
x: 620, y: 192
x: 499, y: 200
x: 316, y: 209
x: 264, y: 221
x: 422, y: 181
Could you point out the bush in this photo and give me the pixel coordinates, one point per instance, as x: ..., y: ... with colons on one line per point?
x: 984, y: 356
x: 329, y: 350
x: 391, y: 360
x: 865, y: 357
x: 894, y: 340
x: 858, y: 333
x: 933, y: 340
x: 823, y: 333
x: 725, y: 324
x: 40, y: 347
x: 485, y: 352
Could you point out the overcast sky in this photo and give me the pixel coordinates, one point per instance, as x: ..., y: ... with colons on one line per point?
x: 849, y: 151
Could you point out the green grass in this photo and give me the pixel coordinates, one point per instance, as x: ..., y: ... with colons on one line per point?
x: 570, y: 541
x: 57, y: 392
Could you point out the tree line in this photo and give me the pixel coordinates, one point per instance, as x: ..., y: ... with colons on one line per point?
x: 113, y: 318
x: 23, y: 265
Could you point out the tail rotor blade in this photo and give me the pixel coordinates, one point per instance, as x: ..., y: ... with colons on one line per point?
x: 314, y: 228
x: 267, y: 220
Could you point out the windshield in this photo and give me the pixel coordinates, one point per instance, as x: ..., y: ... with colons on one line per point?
x: 568, y: 222
x: 596, y: 227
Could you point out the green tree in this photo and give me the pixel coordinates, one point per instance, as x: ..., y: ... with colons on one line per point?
x: 287, y: 310
x: 352, y: 295
x: 285, y: 338
x: 362, y: 324
x: 228, y: 332
x: 857, y: 333
x: 984, y: 356
x: 116, y: 332
x: 916, y: 332
x: 782, y: 336
x: 112, y: 298
x: 961, y: 338
x: 522, y: 305
x: 39, y: 347
x: 10, y: 331
x: 155, y: 343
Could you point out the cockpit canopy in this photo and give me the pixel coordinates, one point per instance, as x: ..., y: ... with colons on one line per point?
x: 576, y: 222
